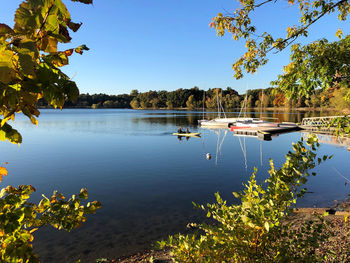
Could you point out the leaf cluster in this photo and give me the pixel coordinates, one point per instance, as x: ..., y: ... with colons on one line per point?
x: 317, y: 65
x: 19, y: 219
x: 341, y: 125
x: 259, y: 45
x: 30, y: 61
x: 257, y: 229
x: 30, y: 70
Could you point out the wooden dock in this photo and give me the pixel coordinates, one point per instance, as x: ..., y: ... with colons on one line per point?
x: 264, y: 133
x: 312, y: 125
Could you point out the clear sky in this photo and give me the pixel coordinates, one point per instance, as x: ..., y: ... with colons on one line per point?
x: 168, y: 44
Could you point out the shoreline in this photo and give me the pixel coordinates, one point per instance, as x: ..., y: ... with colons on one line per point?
x: 336, y: 216
x: 256, y: 109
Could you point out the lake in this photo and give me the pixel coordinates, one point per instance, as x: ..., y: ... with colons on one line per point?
x: 146, y: 178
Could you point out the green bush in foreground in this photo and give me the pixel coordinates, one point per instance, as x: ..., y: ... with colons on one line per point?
x: 19, y: 219
x: 30, y: 65
x: 341, y: 125
x: 258, y: 229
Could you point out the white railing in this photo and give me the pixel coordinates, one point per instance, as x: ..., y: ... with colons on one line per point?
x: 318, y: 121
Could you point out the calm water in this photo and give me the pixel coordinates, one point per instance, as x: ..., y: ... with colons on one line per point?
x: 146, y: 178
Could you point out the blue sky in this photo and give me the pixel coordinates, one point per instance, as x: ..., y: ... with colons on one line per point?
x: 168, y: 44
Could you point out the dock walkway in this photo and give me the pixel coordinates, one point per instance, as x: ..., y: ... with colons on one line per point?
x: 265, y: 133
x: 313, y: 125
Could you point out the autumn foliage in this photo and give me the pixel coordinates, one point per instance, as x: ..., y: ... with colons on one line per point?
x: 30, y: 61
x: 30, y: 70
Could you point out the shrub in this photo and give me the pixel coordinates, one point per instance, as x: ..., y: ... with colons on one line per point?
x: 257, y: 229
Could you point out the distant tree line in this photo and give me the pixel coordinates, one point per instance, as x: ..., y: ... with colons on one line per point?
x: 195, y: 98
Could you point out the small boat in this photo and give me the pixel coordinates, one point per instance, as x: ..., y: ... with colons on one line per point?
x: 191, y: 134
x: 252, y: 123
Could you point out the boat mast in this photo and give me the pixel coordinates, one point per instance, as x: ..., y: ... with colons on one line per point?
x: 222, y: 108
x: 261, y: 106
x: 217, y: 98
x: 245, y: 105
x: 203, y: 103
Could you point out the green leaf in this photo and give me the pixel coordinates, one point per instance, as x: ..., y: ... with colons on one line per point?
x: 5, y: 30
x: 27, y: 64
x: 267, y: 226
x: 10, y: 134
x: 25, y: 19
x: 83, y: 193
x: 48, y: 44
x: 81, y: 48
x: 7, y: 67
x: 28, y: 47
x: 237, y: 195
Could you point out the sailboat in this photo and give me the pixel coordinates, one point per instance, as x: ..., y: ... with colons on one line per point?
x: 203, y: 118
x: 219, y: 121
x: 251, y: 122
x: 225, y: 122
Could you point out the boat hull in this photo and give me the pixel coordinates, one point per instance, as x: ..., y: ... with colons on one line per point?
x: 192, y: 134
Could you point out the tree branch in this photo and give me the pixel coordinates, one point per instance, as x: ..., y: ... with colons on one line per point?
x: 303, y: 29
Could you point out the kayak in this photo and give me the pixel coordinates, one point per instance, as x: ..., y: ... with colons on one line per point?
x: 192, y: 134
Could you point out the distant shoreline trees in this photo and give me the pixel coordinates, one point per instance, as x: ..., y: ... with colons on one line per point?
x: 196, y: 98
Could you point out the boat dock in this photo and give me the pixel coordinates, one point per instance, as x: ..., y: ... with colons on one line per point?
x: 312, y: 125
x: 318, y: 124
x: 315, y: 129
x: 265, y: 133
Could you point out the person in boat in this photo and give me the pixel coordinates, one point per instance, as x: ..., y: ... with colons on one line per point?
x: 179, y: 130
x: 187, y: 130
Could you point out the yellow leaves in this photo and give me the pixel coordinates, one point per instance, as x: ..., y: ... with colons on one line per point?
x: 7, y: 68
x: 33, y: 120
x: 339, y: 33
x: 4, y: 245
x: 33, y: 230
x: 3, y: 172
x: 291, y: 31
x: 48, y: 44
x: 212, y: 23
x: 80, y: 49
x: 250, y: 54
x: 27, y: 72
x: 44, y: 205
x: 290, y: 2
x: 68, y: 52
x: 287, y: 69
x: 60, y: 59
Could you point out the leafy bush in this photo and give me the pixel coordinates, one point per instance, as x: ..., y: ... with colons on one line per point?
x: 258, y: 229
x: 341, y: 125
x: 30, y: 70
x: 19, y: 218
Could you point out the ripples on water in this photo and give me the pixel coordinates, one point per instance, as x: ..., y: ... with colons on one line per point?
x: 146, y: 178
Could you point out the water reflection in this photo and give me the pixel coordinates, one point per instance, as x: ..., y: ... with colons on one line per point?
x: 192, y: 117
x: 329, y: 139
x: 146, y: 180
